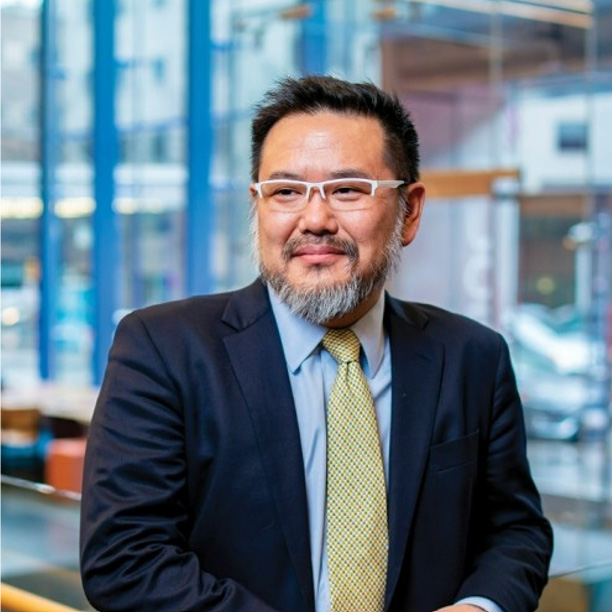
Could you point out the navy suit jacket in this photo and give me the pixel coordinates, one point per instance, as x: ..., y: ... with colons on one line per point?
x: 194, y: 494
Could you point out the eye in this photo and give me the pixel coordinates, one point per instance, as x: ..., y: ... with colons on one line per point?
x: 345, y: 189
x: 282, y: 191
x: 285, y: 192
x: 351, y: 190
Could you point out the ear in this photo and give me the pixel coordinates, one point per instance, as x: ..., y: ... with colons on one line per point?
x: 415, y: 198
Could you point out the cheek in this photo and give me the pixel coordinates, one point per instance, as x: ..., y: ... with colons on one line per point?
x: 272, y: 239
x: 371, y: 235
x: 373, y: 248
x: 275, y: 230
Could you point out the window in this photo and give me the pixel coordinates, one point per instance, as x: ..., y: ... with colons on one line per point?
x: 572, y: 136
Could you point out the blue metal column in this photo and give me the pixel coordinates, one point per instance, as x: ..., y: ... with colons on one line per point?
x: 49, y: 226
x: 199, y: 217
x: 314, y: 41
x: 106, y: 238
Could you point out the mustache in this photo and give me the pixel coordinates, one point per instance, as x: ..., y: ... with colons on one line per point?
x: 348, y: 247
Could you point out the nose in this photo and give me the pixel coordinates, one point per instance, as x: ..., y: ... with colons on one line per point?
x: 317, y: 217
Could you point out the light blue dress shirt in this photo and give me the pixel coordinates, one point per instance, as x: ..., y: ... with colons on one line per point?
x: 312, y: 371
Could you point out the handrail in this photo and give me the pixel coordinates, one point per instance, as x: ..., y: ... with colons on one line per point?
x: 18, y: 600
x: 39, y: 487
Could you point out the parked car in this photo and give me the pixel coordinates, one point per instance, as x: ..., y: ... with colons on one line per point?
x: 563, y: 397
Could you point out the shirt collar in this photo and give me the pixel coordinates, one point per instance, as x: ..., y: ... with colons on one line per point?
x: 300, y: 337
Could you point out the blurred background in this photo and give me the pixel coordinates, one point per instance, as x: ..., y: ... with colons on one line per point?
x: 125, y: 172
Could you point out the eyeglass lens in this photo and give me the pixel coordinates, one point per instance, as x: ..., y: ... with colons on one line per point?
x: 291, y: 192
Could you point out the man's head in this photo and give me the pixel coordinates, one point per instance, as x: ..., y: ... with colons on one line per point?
x: 327, y: 250
x: 316, y: 94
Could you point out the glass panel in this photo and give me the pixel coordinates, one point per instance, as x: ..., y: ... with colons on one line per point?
x: 516, y: 86
x: 40, y: 544
x: 21, y: 205
x: 150, y: 114
x: 72, y: 75
x: 526, y: 88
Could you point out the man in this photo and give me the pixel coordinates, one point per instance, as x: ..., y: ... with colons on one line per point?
x: 240, y: 459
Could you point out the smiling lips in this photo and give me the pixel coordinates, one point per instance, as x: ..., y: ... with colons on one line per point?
x: 318, y: 253
x: 320, y: 250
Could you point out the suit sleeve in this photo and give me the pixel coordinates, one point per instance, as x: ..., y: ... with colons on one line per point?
x: 134, y: 517
x: 512, y: 563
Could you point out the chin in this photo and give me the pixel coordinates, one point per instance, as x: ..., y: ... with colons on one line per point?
x: 320, y: 275
x: 317, y: 284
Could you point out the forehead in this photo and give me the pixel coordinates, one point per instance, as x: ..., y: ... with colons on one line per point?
x: 303, y: 143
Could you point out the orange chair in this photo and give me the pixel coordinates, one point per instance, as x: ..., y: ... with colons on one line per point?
x: 64, y: 463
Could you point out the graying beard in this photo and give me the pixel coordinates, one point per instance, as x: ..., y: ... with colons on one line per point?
x: 323, y: 304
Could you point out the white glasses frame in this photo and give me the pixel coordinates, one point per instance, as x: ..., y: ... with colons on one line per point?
x: 374, y: 185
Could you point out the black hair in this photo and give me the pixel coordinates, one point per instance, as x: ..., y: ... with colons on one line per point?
x: 315, y: 94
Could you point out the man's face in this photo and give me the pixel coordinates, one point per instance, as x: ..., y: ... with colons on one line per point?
x: 317, y: 250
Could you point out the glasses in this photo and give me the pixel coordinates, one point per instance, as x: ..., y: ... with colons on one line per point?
x: 340, y: 194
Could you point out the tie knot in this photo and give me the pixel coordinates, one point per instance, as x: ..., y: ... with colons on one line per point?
x: 342, y: 344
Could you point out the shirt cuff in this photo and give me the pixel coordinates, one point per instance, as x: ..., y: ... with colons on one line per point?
x: 481, y: 602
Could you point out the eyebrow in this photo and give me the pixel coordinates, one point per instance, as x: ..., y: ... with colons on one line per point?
x: 344, y: 173
x: 281, y: 174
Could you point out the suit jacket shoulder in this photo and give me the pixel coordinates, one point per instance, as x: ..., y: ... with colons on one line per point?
x: 460, y: 336
x: 232, y: 309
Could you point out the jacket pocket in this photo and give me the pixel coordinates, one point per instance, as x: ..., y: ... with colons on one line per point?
x: 454, y: 453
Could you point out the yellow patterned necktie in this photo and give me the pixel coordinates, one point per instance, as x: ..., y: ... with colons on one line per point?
x: 357, y: 532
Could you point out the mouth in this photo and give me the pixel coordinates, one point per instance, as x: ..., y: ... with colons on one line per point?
x: 320, y: 252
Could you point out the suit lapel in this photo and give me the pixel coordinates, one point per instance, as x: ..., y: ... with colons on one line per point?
x: 257, y: 358
x: 417, y: 362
